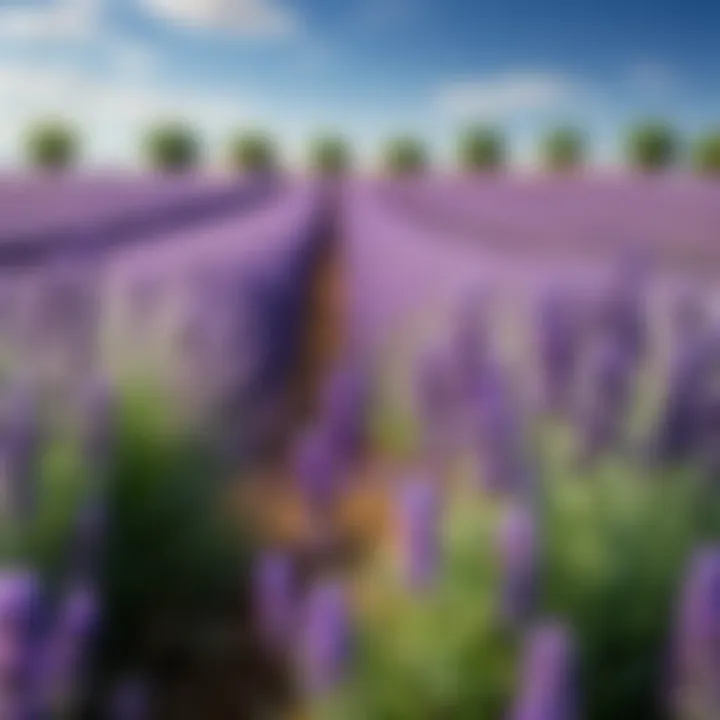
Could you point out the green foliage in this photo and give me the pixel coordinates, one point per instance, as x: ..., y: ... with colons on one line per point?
x: 51, y: 145
x: 405, y: 156
x: 706, y: 154
x: 614, y: 545
x: 652, y: 146
x: 253, y: 152
x: 172, y: 147
x: 174, y: 561
x: 481, y: 148
x: 563, y: 149
x: 330, y: 155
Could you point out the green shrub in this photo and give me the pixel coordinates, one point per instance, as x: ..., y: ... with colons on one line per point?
x: 405, y: 156
x: 563, y: 149
x: 481, y: 148
x: 172, y: 147
x: 330, y: 155
x: 253, y: 152
x: 52, y: 145
x: 706, y: 154
x: 652, y: 146
x: 174, y: 563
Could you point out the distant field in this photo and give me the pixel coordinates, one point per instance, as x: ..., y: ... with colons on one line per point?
x: 676, y: 217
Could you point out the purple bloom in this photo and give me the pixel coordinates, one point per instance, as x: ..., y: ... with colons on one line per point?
x: 624, y: 316
x: 20, y: 448
x: 344, y: 410
x: 326, y: 641
x: 607, y: 402
x: 698, y: 634
x: 130, y: 701
x: 316, y: 469
x: 471, y: 340
x: 501, y: 442
x: 518, y: 553
x: 20, y: 618
x: 436, y: 393
x: 275, y: 599
x: 419, y: 527
x: 100, y: 419
x: 548, y: 689
x: 558, y: 345
x: 67, y: 650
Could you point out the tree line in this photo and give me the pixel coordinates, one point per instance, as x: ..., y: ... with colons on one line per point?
x: 173, y: 147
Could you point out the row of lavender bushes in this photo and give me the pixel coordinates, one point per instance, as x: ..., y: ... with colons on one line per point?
x: 648, y: 146
x: 116, y: 551
x: 554, y: 557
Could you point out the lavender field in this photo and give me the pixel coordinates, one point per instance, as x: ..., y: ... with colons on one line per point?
x: 360, y: 448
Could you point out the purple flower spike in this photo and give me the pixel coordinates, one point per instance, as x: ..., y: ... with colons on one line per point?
x: 67, y: 651
x: 548, y: 689
x: 20, y: 617
x: 436, y: 402
x: 558, y: 346
x: 698, y: 638
x: 608, y: 399
x: 316, y: 469
x: 344, y: 410
x: 130, y: 701
x: 518, y: 553
x: 275, y: 599
x: 326, y: 642
x: 471, y: 340
x: 419, y: 527
x: 99, y: 426
x: 20, y: 447
x: 501, y: 442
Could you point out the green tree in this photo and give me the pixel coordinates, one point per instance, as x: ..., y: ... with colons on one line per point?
x: 481, y: 148
x: 563, y: 149
x: 254, y: 152
x: 172, y: 147
x: 51, y: 145
x: 651, y: 146
x: 405, y: 156
x: 706, y: 153
x: 330, y: 155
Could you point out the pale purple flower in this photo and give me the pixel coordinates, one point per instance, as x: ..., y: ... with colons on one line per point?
x: 518, y: 560
x: 419, y: 532
x: 275, y: 598
x: 326, y: 643
x: 548, y: 679
x: 697, y: 651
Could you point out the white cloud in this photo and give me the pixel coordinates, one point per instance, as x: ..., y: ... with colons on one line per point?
x: 60, y: 20
x: 255, y: 18
x: 503, y: 95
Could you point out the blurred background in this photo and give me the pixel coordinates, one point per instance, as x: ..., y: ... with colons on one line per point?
x: 359, y: 360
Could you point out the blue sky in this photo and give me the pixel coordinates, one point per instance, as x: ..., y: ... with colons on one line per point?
x: 368, y: 67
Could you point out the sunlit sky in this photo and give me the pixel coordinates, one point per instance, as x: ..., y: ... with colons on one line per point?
x: 370, y: 68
